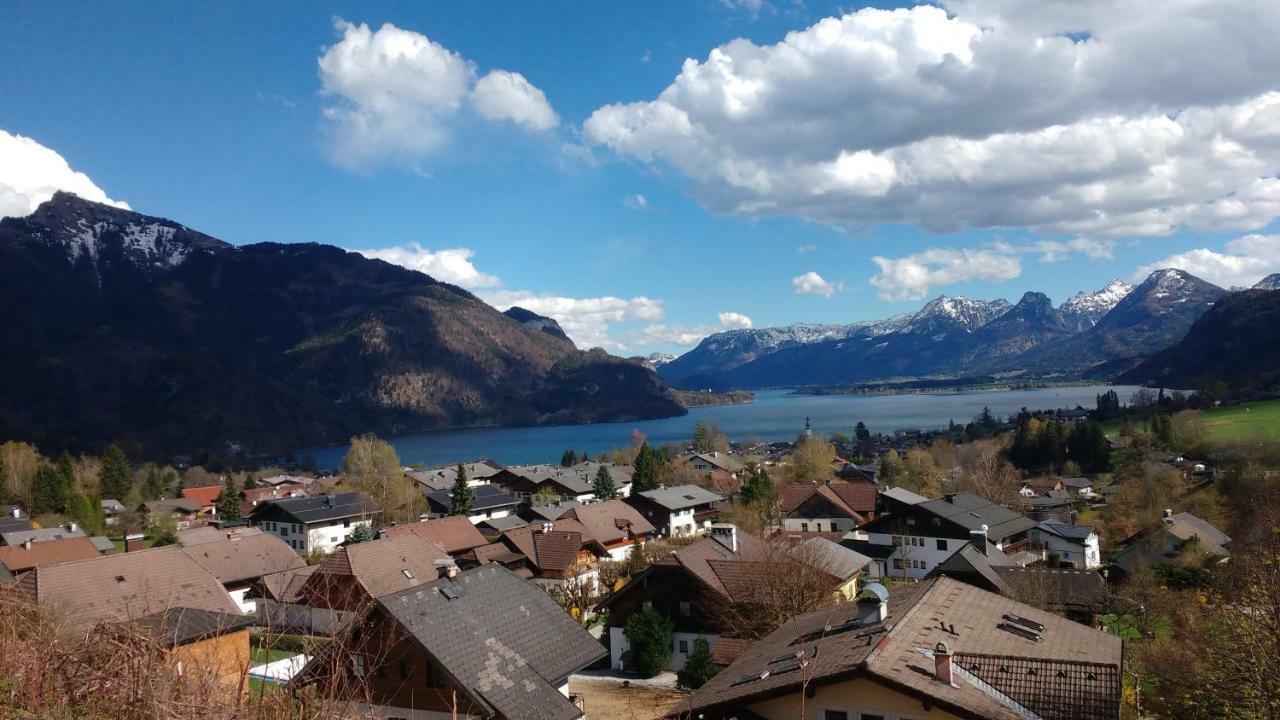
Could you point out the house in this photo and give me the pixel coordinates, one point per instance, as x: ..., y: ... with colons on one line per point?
x: 356, y: 574
x: 15, y: 560
x: 111, y: 510
x: 212, y: 533
x: 487, y: 502
x: 694, y: 583
x: 443, y: 477
x: 280, y: 607
x: 252, y: 497
x: 1032, y: 487
x: 1057, y: 505
x: 183, y: 512
x: 571, y: 483
x: 536, y: 512
x: 1080, y: 487
x: 613, y: 524
x: 560, y: 554
x: 238, y: 560
x: 1065, y: 544
x: 37, y: 535
x: 454, y: 534
x: 678, y: 510
x: 206, y: 497
x: 482, y: 644
x: 710, y: 462
x: 211, y: 647
x: 926, y: 533
x: 315, y: 524
x: 14, y: 518
x: 896, y: 499
x: 1080, y: 595
x: 935, y: 649
x: 834, y: 505
x: 497, y: 526
x: 1176, y: 533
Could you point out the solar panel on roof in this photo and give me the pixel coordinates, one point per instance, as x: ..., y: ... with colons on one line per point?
x: 1024, y: 622
x: 1020, y: 631
x: 449, y: 593
x: 790, y: 668
x: 751, y: 678
x: 790, y: 656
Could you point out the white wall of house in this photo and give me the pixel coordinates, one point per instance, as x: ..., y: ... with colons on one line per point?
x: 1086, y: 555
x: 314, y: 537
x: 681, y: 647
x: 246, y: 605
x: 682, y: 522
x: 480, y: 516
x: 915, y: 554
x: 623, y: 552
x: 817, y: 524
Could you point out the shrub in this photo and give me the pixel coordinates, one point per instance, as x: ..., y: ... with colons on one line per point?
x: 649, y: 633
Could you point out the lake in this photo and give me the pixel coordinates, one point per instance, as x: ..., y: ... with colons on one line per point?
x: 775, y: 415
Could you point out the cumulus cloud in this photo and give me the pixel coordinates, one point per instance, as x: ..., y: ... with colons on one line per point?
x: 504, y: 95
x: 914, y: 276
x: 31, y: 173
x: 811, y: 283
x: 1095, y: 118
x: 395, y: 93
x: 452, y: 265
x: 1058, y: 250
x: 587, y: 321
x: 734, y: 321
x: 1246, y: 260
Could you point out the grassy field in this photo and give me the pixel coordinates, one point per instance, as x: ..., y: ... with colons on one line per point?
x: 1247, y: 421
x: 261, y: 655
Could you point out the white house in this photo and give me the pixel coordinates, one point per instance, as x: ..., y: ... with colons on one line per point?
x: 678, y: 510
x: 1076, y: 545
x: 315, y: 524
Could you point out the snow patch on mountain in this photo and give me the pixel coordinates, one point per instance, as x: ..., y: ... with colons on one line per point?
x: 1270, y: 282
x: 1084, y: 309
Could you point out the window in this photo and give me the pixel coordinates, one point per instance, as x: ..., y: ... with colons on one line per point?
x: 346, y: 523
x: 897, y: 563
x: 897, y: 540
x: 684, y: 647
x: 942, y: 545
x: 835, y: 715
x: 284, y: 532
x: 804, y: 527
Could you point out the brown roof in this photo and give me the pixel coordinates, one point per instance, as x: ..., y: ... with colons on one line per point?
x: 127, y: 586
x: 1077, y: 666
x: 208, y: 533
x: 285, y: 585
x: 203, y: 495
x: 454, y: 534
x: 607, y: 522
x: 728, y: 649
x: 857, y: 494
x: 271, y: 492
x: 554, y: 551
x: 384, y: 566
x: 49, y: 552
x: 853, y: 499
x: 237, y: 559
x: 698, y: 557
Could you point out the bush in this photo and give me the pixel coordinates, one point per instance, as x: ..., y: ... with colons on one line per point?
x: 698, y: 668
x: 650, y: 636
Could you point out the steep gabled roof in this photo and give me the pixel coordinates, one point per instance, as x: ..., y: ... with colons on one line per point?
x: 242, y: 558
x: 553, y: 551
x: 382, y: 566
x: 608, y: 521
x: 454, y: 534
x: 202, y: 495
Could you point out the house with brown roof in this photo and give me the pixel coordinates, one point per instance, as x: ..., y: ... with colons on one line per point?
x: 252, y: 497
x: 238, y: 560
x: 566, y: 483
x: 614, y: 524
x: 356, y: 574
x: 694, y: 585
x: 558, y: 554
x: 206, y: 496
x: 677, y: 510
x: 831, y: 506
x: 454, y: 534
x: 280, y: 607
x: 482, y: 644
x: 16, y: 560
x: 1163, y: 543
x: 1080, y: 595
x: 183, y: 512
x: 935, y: 649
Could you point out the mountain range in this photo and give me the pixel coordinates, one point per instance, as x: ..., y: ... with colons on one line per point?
x: 1101, y: 332
x: 122, y: 327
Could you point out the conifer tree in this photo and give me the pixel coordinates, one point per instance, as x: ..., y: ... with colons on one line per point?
x: 47, y: 491
x: 645, y: 475
x: 228, y: 502
x: 569, y: 458
x: 698, y: 667
x: 603, y: 486
x: 361, y: 533
x: 153, y: 487
x: 115, y: 479
x: 462, y: 502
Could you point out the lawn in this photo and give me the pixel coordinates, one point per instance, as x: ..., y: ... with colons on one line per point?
x: 261, y: 655
x: 1247, y: 421
x: 119, y: 543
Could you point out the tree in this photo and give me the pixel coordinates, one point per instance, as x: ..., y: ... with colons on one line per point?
x: 250, y: 481
x: 708, y: 437
x: 811, y: 461
x: 461, y: 501
x: 115, y: 478
x: 47, y: 491
x: 4, y: 482
x: 758, y: 488
x: 863, y: 444
x: 372, y: 467
x: 649, y: 634
x: 986, y: 473
x: 568, y: 459
x: 603, y: 486
x: 920, y: 474
x: 890, y: 466
x: 228, y: 502
x: 21, y: 461
x: 361, y: 533
x: 645, y: 473
x: 698, y: 667
x: 153, y: 487
x: 79, y: 507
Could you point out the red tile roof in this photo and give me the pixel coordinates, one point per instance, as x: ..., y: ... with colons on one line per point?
x: 203, y: 495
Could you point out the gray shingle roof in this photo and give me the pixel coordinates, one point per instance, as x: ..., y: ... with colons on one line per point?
x: 17, y: 537
x: 506, y: 641
x: 1070, y: 532
x: 320, y: 508
x: 483, y: 497
x: 179, y: 626
x: 972, y: 512
x: 680, y: 497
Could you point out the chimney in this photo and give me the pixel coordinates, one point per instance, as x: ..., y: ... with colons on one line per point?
x: 16, y: 512
x: 1168, y: 515
x: 873, y: 605
x: 72, y: 527
x: 978, y: 538
x: 26, y: 544
x: 133, y: 542
x: 942, y: 664
x: 950, y: 497
x: 726, y: 534
x: 548, y: 526
x: 446, y: 567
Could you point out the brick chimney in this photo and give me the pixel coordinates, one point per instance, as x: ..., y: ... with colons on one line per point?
x: 978, y: 538
x: 133, y: 542
x: 942, y: 669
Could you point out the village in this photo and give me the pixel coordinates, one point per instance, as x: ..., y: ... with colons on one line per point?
x: 720, y: 580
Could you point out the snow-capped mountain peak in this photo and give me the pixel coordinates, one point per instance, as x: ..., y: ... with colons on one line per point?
x: 658, y: 359
x: 1270, y: 282
x: 944, y: 312
x: 1084, y: 309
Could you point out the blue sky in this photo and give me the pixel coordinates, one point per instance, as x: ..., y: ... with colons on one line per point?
x: 985, y: 150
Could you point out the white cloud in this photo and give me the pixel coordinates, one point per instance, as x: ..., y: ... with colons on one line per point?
x: 914, y: 276
x: 31, y: 173
x: 1247, y: 260
x: 586, y: 320
x: 811, y: 283
x: 734, y: 321
x: 451, y: 265
x: 635, y: 201
x: 1167, y: 115
x: 504, y: 95
x: 1056, y: 250
x: 396, y: 92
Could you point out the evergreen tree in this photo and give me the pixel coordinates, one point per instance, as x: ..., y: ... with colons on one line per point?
x: 585, y: 457
x: 863, y: 443
x: 250, y: 481
x: 153, y: 487
x: 649, y: 634
x: 698, y: 667
x: 568, y: 459
x: 462, y: 502
x: 67, y: 467
x: 987, y: 421
x: 603, y: 486
x: 360, y: 534
x: 645, y: 475
x: 635, y: 558
x: 228, y: 502
x: 78, y: 507
x: 47, y: 491
x: 758, y: 488
x: 4, y: 482
x: 115, y: 479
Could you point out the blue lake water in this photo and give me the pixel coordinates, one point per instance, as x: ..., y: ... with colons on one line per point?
x: 775, y: 415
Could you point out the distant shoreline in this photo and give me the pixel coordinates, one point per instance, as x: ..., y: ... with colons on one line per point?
x: 938, y: 387
x: 709, y: 398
